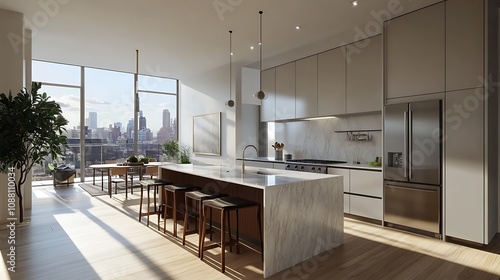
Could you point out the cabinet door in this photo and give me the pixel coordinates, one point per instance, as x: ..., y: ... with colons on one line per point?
x: 306, y: 97
x: 285, y: 91
x: 342, y: 172
x: 366, y: 182
x: 366, y: 207
x: 331, y: 82
x: 464, y: 189
x: 464, y: 44
x: 364, y: 77
x: 415, y: 53
x: 268, y: 107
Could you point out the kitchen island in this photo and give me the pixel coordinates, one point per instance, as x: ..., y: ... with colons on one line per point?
x: 302, y: 212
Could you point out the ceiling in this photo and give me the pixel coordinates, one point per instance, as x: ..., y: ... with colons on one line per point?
x: 184, y: 38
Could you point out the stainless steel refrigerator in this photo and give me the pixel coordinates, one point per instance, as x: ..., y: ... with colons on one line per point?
x: 413, y: 166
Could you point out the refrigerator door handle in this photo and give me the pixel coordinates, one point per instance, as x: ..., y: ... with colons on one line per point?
x: 410, y: 144
x: 405, y: 141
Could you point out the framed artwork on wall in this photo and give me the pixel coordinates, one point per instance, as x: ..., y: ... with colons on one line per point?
x: 207, y: 134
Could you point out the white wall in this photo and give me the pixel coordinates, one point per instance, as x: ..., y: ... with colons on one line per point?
x: 205, y: 94
x: 11, y: 78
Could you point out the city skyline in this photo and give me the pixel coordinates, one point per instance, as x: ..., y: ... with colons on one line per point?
x: 115, y: 130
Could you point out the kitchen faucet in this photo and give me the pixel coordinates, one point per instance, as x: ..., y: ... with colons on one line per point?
x: 243, y: 161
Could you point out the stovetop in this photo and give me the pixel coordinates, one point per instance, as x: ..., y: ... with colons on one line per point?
x: 315, y: 161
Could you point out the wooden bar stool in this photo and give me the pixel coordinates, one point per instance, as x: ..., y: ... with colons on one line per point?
x: 197, y: 197
x: 173, y: 190
x: 148, y: 184
x: 226, y: 205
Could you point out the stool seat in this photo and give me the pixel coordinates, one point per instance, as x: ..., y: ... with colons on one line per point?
x: 229, y: 203
x: 173, y: 188
x: 202, y: 194
x: 155, y: 182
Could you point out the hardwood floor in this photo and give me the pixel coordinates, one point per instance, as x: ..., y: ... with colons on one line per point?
x: 75, y: 236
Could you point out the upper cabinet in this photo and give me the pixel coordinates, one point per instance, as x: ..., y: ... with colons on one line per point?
x: 464, y: 44
x: 415, y: 53
x: 306, y: 97
x: 365, y: 76
x: 268, y: 108
x: 285, y: 91
x: 331, y: 82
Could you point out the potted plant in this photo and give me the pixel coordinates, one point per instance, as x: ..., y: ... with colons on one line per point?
x: 171, y: 149
x: 184, y: 155
x: 31, y: 129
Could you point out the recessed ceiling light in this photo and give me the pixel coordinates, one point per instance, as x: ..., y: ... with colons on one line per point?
x: 297, y: 27
x: 251, y: 47
x: 354, y: 3
x: 232, y: 53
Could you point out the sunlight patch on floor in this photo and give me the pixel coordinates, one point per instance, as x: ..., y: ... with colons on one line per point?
x: 423, y: 245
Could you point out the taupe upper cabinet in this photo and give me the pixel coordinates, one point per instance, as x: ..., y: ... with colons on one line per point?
x: 268, y: 108
x: 306, y: 97
x: 464, y: 44
x: 331, y: 82
x: 415, y: 53
x: 365, y: 76
x: 285, y: 91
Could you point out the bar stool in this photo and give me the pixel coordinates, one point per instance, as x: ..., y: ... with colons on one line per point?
x: 174, y: 190
x: 226, y: 205
x: 148, y: 184
x: 198, y: 197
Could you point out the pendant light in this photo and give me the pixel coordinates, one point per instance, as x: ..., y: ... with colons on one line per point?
x: 260, y: 94
x: 230, y: 102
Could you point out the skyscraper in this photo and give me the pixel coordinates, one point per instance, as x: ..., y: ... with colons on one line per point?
x: 166, y: 118
x: 92, y: 120
x: 142, y: 121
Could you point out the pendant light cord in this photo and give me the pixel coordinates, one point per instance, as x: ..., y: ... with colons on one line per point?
x: 260, y: 48
x: 230, y: 63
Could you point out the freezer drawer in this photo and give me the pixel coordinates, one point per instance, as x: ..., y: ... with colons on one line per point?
x: 413, y: 206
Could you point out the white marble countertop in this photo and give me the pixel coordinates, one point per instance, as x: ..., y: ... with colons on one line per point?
x: 336, y: 165
x: 253, y: 176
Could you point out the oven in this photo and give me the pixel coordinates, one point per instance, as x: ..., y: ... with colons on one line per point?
x: 310, y: 165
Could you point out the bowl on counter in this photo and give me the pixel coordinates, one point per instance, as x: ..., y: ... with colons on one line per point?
x: 374, y: 163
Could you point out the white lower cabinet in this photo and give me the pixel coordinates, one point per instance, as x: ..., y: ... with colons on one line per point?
x: 366, y: 206
x: 362, y: 192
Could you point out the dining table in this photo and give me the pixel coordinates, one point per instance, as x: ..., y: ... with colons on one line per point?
x: 105, y: 168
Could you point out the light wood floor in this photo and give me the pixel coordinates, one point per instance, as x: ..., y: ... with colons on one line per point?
x: 75, y: 236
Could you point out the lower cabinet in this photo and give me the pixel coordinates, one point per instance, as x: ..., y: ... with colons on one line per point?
x: 368, y: 207
x: 362, y: 192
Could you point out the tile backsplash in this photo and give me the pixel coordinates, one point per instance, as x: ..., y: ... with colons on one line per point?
x: 317, y: 138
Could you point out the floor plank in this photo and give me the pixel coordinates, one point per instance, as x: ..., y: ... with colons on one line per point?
x: 72, y: 235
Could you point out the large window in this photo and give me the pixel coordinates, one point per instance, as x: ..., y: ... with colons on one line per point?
x: 107, y: 127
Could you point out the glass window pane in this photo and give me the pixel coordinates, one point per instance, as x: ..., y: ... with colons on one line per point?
x: 109, y: 115
x: 56, y: 73
x: 157, y: 84
x: 69, y: 100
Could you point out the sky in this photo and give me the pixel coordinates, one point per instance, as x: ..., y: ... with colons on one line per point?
x: 108, y: 93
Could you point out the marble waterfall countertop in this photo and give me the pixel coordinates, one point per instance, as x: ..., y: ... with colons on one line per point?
x: 303, y: 213
x: 253, y: 176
